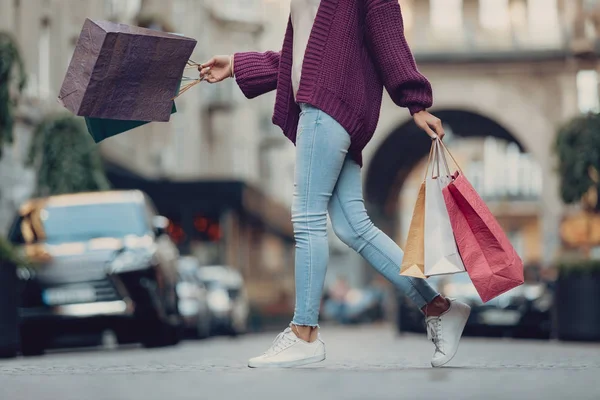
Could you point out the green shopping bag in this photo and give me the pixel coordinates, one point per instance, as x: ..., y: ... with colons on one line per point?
x: 102, y: 128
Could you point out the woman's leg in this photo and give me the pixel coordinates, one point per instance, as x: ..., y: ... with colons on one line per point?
x: 321, y: 148
x: 354, y: 227
x: 445, y: 319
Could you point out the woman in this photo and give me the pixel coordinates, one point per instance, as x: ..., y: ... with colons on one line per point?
x: 337, y: 56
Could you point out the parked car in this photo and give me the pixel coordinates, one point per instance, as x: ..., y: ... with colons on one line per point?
x: 524, y: 311
x: 227, y: 299
x: 354, y: 307
x: 193, y: 299
x: 105, y: 262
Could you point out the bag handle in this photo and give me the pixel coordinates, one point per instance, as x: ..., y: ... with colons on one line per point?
x: 192, y: 81
x: 445, y: 150
x: 436, y: 159
x: 428, y: 160
x: 442, y: 156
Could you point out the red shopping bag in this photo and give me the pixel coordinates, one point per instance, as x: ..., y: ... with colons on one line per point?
x: 490, y: 259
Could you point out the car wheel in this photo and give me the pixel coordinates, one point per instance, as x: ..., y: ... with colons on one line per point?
x: 161, y: 334
x: 203, y: 327
x: 238, y: 328
x: 8, y: 351
x: 31, y: 343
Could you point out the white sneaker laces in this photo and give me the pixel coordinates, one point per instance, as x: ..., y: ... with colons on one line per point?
x: 283, y: 340
x: 434, y: 332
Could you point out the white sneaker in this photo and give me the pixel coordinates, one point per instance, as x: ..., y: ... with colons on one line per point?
x: 445, y: 331
x: 288, y: 350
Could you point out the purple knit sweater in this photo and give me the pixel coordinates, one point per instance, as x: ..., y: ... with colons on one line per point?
x: 356, y: 47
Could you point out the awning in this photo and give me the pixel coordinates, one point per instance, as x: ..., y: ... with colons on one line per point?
x: 212, y: 197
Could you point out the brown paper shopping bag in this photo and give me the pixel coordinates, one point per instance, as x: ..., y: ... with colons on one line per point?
x: 126, y: 73
x: 413, y: 263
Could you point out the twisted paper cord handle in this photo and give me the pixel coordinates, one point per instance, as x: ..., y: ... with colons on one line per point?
x: 192, y: 82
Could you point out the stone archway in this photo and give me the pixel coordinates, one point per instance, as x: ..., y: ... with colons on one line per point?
x: 395, y: 155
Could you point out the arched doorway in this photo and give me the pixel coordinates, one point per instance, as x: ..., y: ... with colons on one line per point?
x: 496, y: 162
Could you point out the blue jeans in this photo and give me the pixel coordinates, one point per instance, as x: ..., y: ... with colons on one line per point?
x: 327, y: 179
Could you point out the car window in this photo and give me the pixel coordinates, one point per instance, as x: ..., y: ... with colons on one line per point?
x: 88, y: 221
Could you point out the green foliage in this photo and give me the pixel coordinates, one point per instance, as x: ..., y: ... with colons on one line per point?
x: 579, y: 266
x: 66, y: 158
x: 578, y: 150
x: 11, y: 64
x: 8, y: 253
x: 153, y: 21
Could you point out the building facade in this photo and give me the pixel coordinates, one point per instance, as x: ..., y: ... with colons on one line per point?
x: 218, y: 170
x: 508, y: 69
x: 513, y: 70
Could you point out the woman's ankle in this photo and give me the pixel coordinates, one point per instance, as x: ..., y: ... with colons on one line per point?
x: 436, y: 307
x: 305, y: 332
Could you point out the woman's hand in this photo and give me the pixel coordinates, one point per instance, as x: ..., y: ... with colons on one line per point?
x: 217, y: 69
x: 431, y: 124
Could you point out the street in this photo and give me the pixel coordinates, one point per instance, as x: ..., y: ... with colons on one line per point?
x: 363, y: 363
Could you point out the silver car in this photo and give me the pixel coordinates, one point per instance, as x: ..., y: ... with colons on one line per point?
x: 227, y: 299
x: 193, y: 299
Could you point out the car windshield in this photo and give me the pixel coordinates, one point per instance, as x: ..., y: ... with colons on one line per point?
x: 89, y: 221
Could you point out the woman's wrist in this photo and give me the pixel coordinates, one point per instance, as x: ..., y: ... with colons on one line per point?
x: 231, y: 71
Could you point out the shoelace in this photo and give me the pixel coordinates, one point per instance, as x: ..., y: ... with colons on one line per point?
x: 434, y: 327
x: 281, y: 341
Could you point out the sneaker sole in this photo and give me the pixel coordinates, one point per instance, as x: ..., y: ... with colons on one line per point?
x: 289, y: 364
x: 465, y: 319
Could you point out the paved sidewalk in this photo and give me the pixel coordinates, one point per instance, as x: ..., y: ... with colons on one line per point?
x: 362, y: 363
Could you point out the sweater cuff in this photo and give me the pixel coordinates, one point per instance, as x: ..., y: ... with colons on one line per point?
x: 243, y: 71
x: 416, y: 108
x: 251, y: 75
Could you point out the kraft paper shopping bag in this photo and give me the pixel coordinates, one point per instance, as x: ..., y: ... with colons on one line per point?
x: 123, y: 72
x: 413, y: 263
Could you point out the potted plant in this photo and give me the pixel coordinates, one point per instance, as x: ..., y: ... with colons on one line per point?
x: 577, y: 300
x: 9, y: 297
x: 65, y: 157
x: 578, y: 284
x: 153, y: 21
x: 12, y: 83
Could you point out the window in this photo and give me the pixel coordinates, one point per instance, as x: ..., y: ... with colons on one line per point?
x: 44, y: 59
x: 494, y: 14
x: 88, y: 221
x: 476, y: 176
x: 587, y: 91
x: 543, y: 21
x: 446, y: 15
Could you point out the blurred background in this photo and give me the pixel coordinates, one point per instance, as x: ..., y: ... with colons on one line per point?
x: 190, y: 234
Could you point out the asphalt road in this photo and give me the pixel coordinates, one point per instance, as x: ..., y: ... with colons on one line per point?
x: 362, y: 363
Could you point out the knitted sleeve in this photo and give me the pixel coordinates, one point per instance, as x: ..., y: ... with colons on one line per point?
x: 392, y: 56
x: 256, y: 73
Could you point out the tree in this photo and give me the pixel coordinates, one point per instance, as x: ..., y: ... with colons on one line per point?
x: 578, y: 150
x: 11, y: 69
x: 65, y: 157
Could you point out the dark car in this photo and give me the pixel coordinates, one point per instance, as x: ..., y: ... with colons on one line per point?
x: 102, y: 261
x: 524, y: 311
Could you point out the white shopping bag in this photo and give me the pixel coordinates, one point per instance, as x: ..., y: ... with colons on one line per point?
x: 441, y: 253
